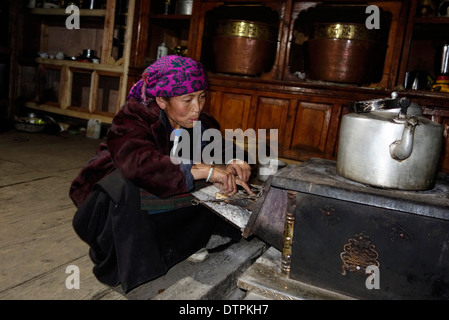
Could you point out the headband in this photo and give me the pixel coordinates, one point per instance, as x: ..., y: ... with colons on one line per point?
x: 170, y: 76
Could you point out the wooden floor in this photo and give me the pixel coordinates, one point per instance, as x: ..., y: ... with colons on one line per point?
x: 37, y: 241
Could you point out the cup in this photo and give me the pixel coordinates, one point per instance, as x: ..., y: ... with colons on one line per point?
x: 60, y: 55
x: 268, y: 167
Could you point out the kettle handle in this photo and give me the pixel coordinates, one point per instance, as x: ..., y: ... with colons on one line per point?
x: 404, y: 103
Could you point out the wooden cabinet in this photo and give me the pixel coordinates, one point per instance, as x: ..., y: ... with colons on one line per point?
x: 54, y: 73
x: 305, y: 112
x: 307, y: 125
x: 308, y: 112
x: 441, y: 116
x: 426, y: 33
x: 291, y: 16
x: 151, y: 27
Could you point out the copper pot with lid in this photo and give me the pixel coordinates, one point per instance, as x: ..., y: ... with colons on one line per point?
x: 244, y: 47
x: 346, y: 53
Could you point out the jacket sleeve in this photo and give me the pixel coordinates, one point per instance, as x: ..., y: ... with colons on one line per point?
x: 139, y: 147
x: 96, y: 168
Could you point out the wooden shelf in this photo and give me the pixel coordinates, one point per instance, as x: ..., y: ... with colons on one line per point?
x: 62, y: 12
x: 82, y: 65
x: 171, y: 16
x: 73, y: 88
x: 5, y: 50
x: 69, y: 112
x: 431, y: 20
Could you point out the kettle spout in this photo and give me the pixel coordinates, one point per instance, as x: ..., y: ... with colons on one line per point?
x: 402, y: 149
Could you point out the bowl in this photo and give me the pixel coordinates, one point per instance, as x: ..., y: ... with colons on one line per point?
x: 268, y: 167
x: 30, y: 124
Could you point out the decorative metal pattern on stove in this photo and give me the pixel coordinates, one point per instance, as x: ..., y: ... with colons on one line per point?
x: 398, y: 232
x: 329, y: 216
x: 358, y: 254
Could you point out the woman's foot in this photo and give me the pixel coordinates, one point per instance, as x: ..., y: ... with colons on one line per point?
x: 199, y: 256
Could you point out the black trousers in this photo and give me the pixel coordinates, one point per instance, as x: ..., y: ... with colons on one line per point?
x: 182, y: 232
x: 129, y: 246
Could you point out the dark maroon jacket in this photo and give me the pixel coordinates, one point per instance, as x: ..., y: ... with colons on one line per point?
x: 138, y: 145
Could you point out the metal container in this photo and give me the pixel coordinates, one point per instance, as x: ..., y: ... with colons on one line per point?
x: 184, y: 7
x: 390, y: 150
x: 244, y: 47
x: 267, y: 167
x: 445, y: 60
x: 92, y: 4
x: 347, y: 53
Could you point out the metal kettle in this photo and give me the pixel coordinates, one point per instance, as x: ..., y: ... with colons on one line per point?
x: 396, y: 147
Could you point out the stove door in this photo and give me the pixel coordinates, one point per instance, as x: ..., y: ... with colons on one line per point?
x: 369, y: 252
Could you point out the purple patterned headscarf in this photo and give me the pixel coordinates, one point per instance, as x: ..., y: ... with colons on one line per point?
x: 170, y: 76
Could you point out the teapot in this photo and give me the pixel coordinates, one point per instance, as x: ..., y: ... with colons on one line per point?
x: 394, y: 148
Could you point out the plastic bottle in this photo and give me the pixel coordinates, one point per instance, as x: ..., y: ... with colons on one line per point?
x: 162, y: 50
x: 93, y: 128
x: 442, y: 84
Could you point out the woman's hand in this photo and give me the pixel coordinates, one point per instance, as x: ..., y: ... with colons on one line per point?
x: 239, y: 168
x: 225, y: 178
x: 227, y: 181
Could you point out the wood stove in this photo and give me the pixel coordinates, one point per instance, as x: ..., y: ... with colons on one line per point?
x: 361, y: 241
x: 348, y: 238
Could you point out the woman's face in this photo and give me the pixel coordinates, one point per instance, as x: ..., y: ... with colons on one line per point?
x: 183, y: 111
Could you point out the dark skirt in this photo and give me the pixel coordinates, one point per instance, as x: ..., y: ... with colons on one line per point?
x: 128, y: 246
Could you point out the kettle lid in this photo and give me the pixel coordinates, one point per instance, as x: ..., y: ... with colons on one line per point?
x: 376, y: 104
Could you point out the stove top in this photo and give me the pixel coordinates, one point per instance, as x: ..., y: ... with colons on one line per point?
x: 319, y: 177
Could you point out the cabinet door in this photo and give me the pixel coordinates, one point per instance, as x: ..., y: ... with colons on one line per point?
x: 311, y: 128
x: 230, y: 109
x: 240, y: 110
x: 272, y: 115
x: 307, y: 126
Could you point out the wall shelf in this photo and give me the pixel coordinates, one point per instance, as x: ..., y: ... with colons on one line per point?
x: 77, y: 89
x: 81, y: 65
x: 62, y: 12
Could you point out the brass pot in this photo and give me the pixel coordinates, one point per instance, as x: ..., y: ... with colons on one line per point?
x: 244, y: 47
x: 346, y: 53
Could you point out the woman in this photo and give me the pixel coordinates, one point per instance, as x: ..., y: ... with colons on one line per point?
x: 133, y: 197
